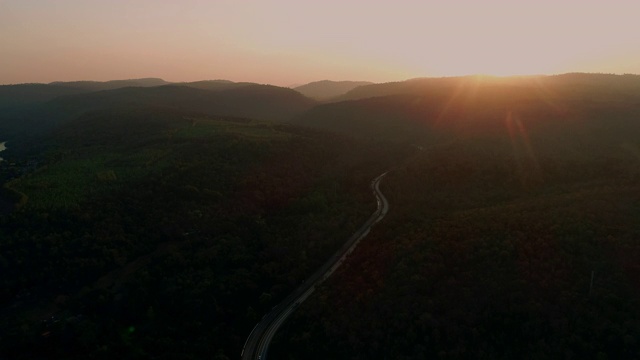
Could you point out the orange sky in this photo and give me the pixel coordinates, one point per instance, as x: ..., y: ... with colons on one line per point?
x: 284, y: 42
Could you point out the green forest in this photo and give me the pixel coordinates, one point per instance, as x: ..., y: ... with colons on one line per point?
x: 454, y: 288
x: 490, y: 253
x: 148, y: 233
x: 143, y: 219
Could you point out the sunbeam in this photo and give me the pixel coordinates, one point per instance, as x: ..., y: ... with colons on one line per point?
x: 525, y: 157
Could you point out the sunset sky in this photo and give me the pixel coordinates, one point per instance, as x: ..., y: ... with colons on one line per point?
x: 286, y: 42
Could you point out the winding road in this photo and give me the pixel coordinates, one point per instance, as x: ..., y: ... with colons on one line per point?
x: 257, y: 344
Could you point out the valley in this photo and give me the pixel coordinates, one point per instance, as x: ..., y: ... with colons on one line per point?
x: 148, y: 219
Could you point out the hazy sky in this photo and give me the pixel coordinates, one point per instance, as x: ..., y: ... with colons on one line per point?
x: 284, y: 42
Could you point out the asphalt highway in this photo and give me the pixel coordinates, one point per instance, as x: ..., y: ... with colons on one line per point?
x: 257, y: 344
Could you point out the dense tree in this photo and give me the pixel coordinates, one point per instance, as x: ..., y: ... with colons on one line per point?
x: 172, y: 238
x: 472, y: 262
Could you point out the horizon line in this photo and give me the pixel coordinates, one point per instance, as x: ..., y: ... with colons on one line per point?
x: 314, y: 81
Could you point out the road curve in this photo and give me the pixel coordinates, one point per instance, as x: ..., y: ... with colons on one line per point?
x: 257, y: 344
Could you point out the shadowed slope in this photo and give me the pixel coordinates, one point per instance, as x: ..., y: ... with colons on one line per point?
x: 327, y: 89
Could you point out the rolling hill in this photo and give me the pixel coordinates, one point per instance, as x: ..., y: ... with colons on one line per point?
x: 239, y: 100
x: 555, y: 108
x: 215, y: 85
x: 112, y: 84
x: 143, y: 217
x: 571, y: 85
x: 252, y: 101
x: 28, y: 94
x: 15, y: 96
x: 327, y: 89
x: 513, y: 225
x: 515, y: 231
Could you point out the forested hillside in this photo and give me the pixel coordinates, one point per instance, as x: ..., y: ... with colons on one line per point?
x: 91, y: 86
x: 148, y: 233
x: 165, y: 221
x: 326, y: 89
x: 253, y: 101
x: 46, y: 107
x: 491, y: 245
x: 571, y: 107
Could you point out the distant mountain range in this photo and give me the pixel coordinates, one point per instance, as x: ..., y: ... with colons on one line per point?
x: 548, y: 108
x: 216, y: 85
x: 29, y: 94
x: 251, y: 101
x: 576, y: 83
x: 113, y: 84
x: 416, y: 110
x: 327, y: 89
x: 28, y: 109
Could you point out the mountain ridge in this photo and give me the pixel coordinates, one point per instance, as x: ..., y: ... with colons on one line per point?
x: 328, y: 89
